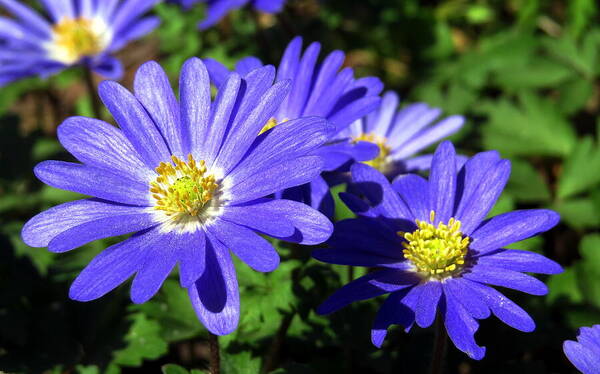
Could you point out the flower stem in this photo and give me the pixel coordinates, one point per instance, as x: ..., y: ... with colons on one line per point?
x: 215, y: 359
x: 272, y: 358
x: 91, y: 88
x: 439, y: 348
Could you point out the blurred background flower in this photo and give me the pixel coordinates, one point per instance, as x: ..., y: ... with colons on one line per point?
x: 217, y: 9
x: 67, y: 33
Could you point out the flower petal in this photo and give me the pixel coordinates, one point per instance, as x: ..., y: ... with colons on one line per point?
x: 92, y: 181
x: 378, y: 191
x: 41, y: 229
x: 252, y: 249
x: 290, y: 173
x: 511, y: 227
x: 502, y: 307
x: 99, y: 229
x: 112, y: 267
x: 243, y: 132
x: 392, y: 311
x: 286, y: 141
x: 98, y: 144
x: 161, y: 257
x: 429, y: 136
x: 153, y: 89
x: 523, y: 261
x: 192, y: 258
x: 414, y: 191
x: 266, y: 217
x: 506, y: 278
x: 461, y: 328
x: 194, y: 95
x: 584, y: 359
x: 442, y: 182
x: 483, y: 192
x: 211, y: 138
x: 215, y: 296
x: 135, y: 123
x: 284, y: 219
x: 427, y: 305
x: 473, y: 304
x: 359, y: 289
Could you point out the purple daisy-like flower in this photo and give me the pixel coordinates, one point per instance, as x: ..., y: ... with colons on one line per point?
x: 321, y: 90
x: 401, y: 134
x: 217, y: 9
x: 189, y: 180
x: 584, y: 354
x: 435, y: 250
x: 77, y: 32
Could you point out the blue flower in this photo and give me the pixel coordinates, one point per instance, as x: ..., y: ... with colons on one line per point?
x: 318, y: 90
x: 79, y: 31
x: 584, y: 354
x: 402, y: 134
x: 217, y: 9
x: 436, y: 251
x: 188, y: 179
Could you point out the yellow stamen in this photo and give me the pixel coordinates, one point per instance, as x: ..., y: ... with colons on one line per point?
x: 182, y: 187
x: 380, y: 162
x: 74, y: 38
x: 436, y: 252
x: 270, y: 124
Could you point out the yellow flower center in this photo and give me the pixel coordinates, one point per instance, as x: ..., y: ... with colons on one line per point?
x: 380, y: 162
x: 436, y: 252
x: 182, y: 188
x: 74, y: 38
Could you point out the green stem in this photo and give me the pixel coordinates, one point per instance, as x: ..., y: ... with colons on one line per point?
x: 439, y: 348
x: 272, y: 358
x: 215, y: 359
x: 92, y: 92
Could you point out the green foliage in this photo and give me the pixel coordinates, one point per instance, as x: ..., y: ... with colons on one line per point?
x: 525, y: 75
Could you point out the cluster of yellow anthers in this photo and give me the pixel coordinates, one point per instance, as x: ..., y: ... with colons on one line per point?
x: 437, y: 252
x: 379, y: 162
x: 75, y: 38
x: 182, y: 187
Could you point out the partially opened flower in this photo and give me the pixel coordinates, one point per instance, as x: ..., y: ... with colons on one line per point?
x: 217, y: 9
x: 401, y: 134
x: 188, y: 179
x: 434, y: 250
x: 584, y: 354
x: 318, y: 89
x: 76, y: 32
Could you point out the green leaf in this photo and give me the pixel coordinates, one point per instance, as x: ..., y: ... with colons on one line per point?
x: 579, y: 213
x: 341, y: 210
x: 574, y: 95
x: 564, y: 285
x: 537, y: 73
x: 526, y: 184
x: 241, y: 363
x: 578, y: 172
x: 173, y: 310
x: 143, y: 342
x: 174, y: 369
x: 535, y: 127
x: 579, y: 14
x: 588, y: 268
x: 87, y: 369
